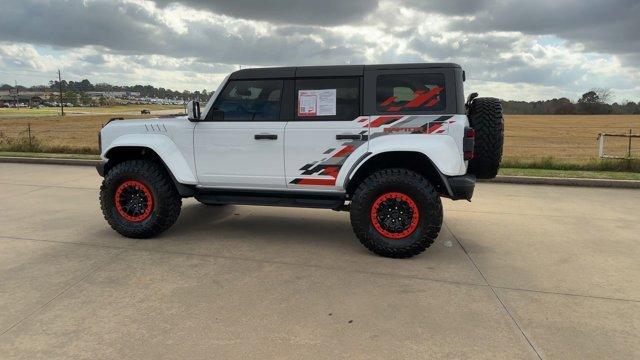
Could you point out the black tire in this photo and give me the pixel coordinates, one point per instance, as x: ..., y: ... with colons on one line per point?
x: 418, y: 190
x: 485, y: 116
x: 166, y: 201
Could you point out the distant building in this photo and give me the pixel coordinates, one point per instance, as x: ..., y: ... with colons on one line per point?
x: 30, y: 99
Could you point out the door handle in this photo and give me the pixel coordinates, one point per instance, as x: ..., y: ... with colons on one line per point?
x: 265, y: 137
x: 349, y: 137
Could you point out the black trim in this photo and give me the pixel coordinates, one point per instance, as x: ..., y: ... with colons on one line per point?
x: 353, y: 167
x: 329, y: 71
x: 461, y: 187
x: 265, y: 137
x: 271, y: 198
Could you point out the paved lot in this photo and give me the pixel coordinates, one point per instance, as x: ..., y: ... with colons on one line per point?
x: 522, y: 272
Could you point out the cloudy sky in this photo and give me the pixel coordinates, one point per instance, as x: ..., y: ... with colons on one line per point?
x: 523, y: 50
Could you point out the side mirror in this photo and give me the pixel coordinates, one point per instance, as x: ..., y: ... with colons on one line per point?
x: 193, y: 110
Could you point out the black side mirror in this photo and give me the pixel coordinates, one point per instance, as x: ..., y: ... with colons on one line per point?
x: 193, y: 110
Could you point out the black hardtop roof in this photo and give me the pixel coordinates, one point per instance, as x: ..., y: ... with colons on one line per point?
x: 331, y: 70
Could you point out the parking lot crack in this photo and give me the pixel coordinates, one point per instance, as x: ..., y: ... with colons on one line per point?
x: 495, y: 293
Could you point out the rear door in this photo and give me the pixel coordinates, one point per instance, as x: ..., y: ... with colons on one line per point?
x: 244, y: 146
x: 327, y: 128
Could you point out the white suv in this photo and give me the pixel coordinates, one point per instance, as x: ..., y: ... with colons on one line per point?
x: 383, y: 142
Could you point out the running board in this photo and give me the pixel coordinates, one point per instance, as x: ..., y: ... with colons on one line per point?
x: 272, y: 198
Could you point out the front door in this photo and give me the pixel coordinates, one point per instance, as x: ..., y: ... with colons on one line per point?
x: 326, y: 130
x: 241, y: 142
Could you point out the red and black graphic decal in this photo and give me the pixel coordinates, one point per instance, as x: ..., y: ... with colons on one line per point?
x: 421, y: 99
x: 386, y: 125
x: 329, y: 166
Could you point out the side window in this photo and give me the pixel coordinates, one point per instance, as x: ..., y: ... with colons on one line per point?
x: 400, y: 93
x: 250, y: 100
x: 328, y: 99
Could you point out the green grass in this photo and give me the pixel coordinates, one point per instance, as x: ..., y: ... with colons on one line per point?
x: 582, y: 174
x: 10, y: 113
x: 551, y: 163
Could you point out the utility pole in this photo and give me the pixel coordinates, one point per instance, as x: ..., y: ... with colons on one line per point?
x: 15, y: 94
x: 60, y: 87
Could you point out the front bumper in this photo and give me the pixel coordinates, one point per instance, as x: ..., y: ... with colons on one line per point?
x: 460, y: 187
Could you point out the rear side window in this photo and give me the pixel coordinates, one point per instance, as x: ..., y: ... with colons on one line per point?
x: 327, y: 99
x: 244, y: 100
x: 407, y: 93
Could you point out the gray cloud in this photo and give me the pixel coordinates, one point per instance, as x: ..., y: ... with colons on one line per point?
x: 126, y: 38
x: 127, y: 28
x: 325, y: 12
x: 610, y: 26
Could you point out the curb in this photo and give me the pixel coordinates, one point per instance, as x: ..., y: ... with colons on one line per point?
x: 501, y: 179
x: 50, y: 161
x: 531, y: 180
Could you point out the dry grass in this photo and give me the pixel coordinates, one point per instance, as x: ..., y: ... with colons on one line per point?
x: 572, y: 137
x: 528, y: 137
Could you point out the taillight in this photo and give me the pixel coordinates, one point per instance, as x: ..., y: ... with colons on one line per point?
x: 468, y: 143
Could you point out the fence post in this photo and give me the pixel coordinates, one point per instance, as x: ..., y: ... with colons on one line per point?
x: 29, y: 133
x: 629, y: 151
x: 601, y: 145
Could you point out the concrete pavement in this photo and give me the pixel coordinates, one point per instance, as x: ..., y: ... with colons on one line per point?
x: 522, y: 272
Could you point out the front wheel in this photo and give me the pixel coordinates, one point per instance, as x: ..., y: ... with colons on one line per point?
x: 138, y: 199
x: 396, y: 213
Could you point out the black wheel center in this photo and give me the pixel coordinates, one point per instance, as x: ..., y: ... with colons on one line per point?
x: 133, y: 201
x: 394, y: 215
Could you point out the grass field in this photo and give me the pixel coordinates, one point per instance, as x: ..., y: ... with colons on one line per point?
x: 530, y: 140
x: 13, y: 113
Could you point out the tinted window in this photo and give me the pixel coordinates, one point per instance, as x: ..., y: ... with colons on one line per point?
x: 328, y: 99
x: 250, y: 100
x: 400, y: 93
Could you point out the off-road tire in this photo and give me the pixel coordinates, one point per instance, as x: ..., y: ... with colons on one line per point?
x: 485, y: 116
x: 422, y: 194
x: 166, y: 199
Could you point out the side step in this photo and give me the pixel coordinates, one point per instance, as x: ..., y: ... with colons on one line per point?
x: 271, y: 198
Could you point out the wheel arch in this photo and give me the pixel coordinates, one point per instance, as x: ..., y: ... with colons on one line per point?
x: 412, y: 160
x: 119, y: 154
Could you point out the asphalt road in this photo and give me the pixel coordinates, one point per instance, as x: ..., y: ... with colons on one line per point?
x: 521, y: 272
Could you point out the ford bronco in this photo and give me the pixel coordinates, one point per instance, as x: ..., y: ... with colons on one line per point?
x: 384, y: 142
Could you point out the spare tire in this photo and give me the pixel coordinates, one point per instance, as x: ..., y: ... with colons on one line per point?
x: 485, y: 116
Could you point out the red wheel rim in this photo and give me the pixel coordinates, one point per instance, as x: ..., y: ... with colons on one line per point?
x: 134, y: 201
x: 395, y: 215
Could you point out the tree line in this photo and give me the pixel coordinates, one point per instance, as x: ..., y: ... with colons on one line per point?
x: 594, y: 101
x: 147, y: 91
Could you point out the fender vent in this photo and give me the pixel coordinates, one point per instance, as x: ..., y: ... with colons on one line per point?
x: 155, y: 128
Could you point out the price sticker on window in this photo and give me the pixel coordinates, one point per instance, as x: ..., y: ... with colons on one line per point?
x: 317, y: 102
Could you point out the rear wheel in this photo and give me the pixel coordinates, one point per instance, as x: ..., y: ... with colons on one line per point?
x: 138, y: 199
x: 396, y: 213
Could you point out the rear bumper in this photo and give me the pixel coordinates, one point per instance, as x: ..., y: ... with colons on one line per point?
x: 460, y: 187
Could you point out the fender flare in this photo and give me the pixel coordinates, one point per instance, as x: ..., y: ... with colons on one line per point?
x: 165, y: 148
x: 442, y: 152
